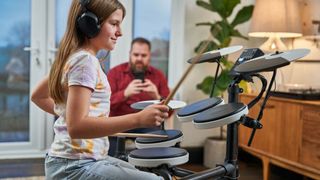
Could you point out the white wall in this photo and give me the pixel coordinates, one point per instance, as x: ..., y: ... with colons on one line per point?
x: 121, y: 52
x: 189, y: 37
x: 193, y: 35
x: 306, y: 73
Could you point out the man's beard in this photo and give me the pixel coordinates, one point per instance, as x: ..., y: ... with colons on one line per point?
x: 138, y: 73
x: 136, y: 69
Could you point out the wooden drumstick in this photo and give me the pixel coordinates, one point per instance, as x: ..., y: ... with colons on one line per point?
x: 194, y: 60
x: 141, y: 135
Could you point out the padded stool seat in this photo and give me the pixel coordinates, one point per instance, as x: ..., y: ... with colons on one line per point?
x: 174, y: 137
x: 154, y: 157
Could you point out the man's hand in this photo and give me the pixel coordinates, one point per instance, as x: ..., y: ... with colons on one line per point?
x: 151, y: 89
x: 135, y: 87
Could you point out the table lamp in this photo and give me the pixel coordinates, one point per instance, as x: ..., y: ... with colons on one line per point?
x: 275, y: 19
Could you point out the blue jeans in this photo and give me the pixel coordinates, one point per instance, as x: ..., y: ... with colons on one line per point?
x: 106, y: 169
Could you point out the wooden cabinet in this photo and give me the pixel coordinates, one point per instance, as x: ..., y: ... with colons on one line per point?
x: 310, y: 144
x: 290, y: 136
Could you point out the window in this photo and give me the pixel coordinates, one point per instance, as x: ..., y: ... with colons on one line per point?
x: 152, y: 21
x: 62, y: 9
x: 30, y: 33
x: 23, y: 60
x: 14, y: 70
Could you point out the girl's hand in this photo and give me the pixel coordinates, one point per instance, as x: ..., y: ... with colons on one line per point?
x: 153, y: 115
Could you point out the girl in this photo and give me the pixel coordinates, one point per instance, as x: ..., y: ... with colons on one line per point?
x: 78, y: 92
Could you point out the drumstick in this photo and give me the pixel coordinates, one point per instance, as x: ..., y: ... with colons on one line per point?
x: 142, y: 135
x: 193, y: 62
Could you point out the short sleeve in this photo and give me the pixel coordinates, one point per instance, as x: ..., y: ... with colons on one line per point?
x: 82, y: 72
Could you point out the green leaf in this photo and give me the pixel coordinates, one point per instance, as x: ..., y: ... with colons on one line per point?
x: 243, y: 15
x: 226, y: 63
x: 205, y: 24
x: 230, y: 5
x: 211, y: 46
x: 218, y: 6
x: 205, y: 85
x: 236, y: 33
x: 217, y: 92
x: 224, y: 80
x: 224, y: 7
x: 205, y: 5
x: 226, y: 42
x: 215, y: 29
x: 224, y: 31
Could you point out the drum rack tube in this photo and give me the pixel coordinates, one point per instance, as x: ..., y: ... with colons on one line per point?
x: 229, y: 169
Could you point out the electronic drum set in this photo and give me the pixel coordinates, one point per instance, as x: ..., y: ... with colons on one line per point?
x: 163, y: 155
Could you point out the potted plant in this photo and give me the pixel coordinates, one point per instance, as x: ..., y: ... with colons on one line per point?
x: 222, y: 31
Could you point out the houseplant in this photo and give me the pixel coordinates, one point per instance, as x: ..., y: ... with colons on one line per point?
x: 222, y: 31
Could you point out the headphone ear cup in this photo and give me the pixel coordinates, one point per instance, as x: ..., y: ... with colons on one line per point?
x: 88, y: 23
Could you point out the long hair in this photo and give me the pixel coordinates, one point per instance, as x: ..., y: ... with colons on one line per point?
x: 73, y: 39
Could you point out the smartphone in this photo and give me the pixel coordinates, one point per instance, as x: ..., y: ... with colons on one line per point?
x: 139, y: 75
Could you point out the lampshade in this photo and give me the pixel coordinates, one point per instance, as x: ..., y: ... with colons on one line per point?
x: 275, y: 19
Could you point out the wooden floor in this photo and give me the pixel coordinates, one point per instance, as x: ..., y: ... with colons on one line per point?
x: 250, y: 168
x: 31, y: 168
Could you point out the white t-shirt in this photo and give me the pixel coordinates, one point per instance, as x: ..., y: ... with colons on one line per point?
x: 82, y: 69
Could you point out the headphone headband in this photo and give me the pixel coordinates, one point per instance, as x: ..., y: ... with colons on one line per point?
x: 88, y: 23
x: 84, y: 3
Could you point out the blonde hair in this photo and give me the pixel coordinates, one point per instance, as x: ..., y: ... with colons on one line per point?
x: 73, y: 39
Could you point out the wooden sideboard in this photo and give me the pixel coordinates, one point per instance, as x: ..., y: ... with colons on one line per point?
x: 290, y: 137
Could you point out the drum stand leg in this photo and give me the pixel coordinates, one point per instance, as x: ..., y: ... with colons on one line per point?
x: 121, y: 149
x: 180, y: 172
x: 229, y: 170
x: 167, y: 172
x: 163, y: 172
x: 232, y: 134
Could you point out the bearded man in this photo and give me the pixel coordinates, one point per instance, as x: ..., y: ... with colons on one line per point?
x: 136, y: 81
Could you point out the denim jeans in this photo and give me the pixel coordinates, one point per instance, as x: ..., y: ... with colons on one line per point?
x: 106, y: 169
